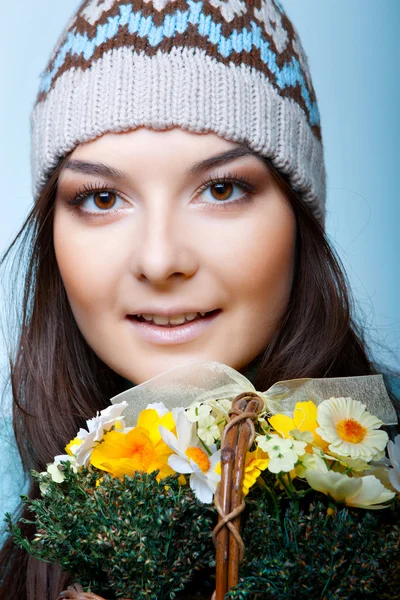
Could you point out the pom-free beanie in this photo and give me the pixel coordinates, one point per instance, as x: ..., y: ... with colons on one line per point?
x: 233, y: 67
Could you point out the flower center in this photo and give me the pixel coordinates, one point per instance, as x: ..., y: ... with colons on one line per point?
x: 351, y: 431
x: 199, y: 457
x: 142, y: 453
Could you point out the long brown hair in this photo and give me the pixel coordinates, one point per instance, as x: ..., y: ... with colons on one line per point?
x: 58, y: 382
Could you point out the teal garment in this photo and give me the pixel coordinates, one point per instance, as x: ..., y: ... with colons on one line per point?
x: 13, y: 481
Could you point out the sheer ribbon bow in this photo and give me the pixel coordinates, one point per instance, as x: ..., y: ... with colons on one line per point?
x: 206, y: 380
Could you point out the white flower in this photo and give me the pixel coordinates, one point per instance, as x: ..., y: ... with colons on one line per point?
x: 96, y: 427
x: 83, y: 452
x: 197, y: 411
x: 56, y: 473
x: 208, y: 430
x: 43, y: 487
x: 103, y: 421
x: 283, y: 452
x: 314, y: 461
x: 190, y: 458
x: 302, y: 436
x: 221, y: 408
x: 361, y: 492
x: 62, y: 458
x: 159, y: 407
x: 350, y: 429
x: 394, y: 457
x: 382, y: 473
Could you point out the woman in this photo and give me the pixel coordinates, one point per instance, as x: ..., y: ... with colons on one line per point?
x: 179, y: 176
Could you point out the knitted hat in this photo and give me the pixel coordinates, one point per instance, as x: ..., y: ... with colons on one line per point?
x: 233, y: 67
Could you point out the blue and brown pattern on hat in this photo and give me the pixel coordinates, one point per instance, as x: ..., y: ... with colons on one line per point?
x: 233, y: 67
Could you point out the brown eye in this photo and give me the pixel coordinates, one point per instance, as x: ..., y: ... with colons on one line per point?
x: 223, y: 190
x: 104, y: 200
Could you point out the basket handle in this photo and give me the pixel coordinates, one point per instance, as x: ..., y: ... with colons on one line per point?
x: 237, y: 438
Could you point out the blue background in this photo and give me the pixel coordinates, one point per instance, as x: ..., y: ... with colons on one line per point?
x: 354, y: 50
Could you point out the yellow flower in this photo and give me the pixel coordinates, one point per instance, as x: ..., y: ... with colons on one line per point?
x: 256, y: 462
x: 304, y: 419
x: 72, y: 446
x: 140, y: 449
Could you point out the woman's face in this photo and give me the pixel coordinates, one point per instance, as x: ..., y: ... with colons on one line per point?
x: 170, y: 224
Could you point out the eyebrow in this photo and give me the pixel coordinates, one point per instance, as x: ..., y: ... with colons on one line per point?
x: 108, y: 171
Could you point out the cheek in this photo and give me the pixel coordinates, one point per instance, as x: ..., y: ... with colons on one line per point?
x: 89, y: 264
x: 259, y: 265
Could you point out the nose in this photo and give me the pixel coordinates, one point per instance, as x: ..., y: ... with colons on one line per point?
x: 164, y: 249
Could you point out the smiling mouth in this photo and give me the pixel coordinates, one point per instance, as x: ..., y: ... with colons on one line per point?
x: 199, y: 317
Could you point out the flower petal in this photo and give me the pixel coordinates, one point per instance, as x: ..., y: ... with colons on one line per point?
x: 394, y: 478
x: 159, y: 407
x: 170, y: 439
x: 180, y: 464
x: 336, y: 485
x: 371, y: 493
x: 56, y: 474
x: 186, y: 431
x: 199, y: 485
x: 282, y: 424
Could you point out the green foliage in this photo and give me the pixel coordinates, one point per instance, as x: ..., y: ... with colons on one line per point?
x: 148, y: 540
x: 134, y: 538
x: 304, y: 552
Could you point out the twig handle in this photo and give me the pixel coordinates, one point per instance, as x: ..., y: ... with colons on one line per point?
x: 237, y: 438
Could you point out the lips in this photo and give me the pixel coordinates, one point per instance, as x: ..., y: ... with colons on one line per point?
x: 161, y: 335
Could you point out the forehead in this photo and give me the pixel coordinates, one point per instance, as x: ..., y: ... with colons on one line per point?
x: 112, y: 155
x: 157, y: 142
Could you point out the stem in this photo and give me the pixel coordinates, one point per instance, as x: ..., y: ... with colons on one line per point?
x: 265, y: 487
x: 206, y: 448
x: 282, y: 481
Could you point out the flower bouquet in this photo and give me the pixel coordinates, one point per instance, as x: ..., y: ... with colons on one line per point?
x: 298, y: 485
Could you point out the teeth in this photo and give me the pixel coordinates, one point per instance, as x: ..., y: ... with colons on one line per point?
x: 160, y: 320
x: 178, y: 319
x: 190, y: 316
x: 173, y: 320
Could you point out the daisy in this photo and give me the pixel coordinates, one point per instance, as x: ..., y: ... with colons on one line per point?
x: 350, y: 429
x: 190, y: 457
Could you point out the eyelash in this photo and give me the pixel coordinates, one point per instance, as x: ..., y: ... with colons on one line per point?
x: 89, y: 188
